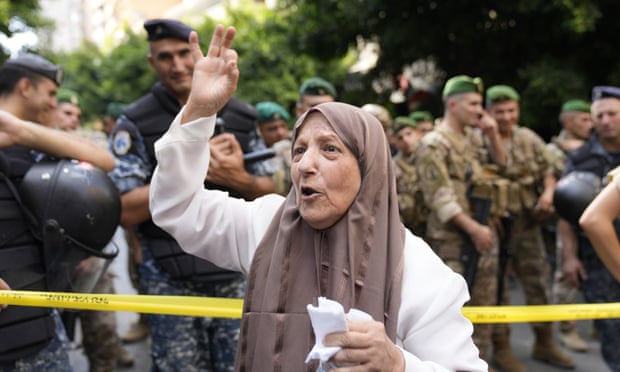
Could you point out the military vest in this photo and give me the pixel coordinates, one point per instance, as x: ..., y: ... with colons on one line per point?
x: 152, y: 114
x: 24, y: 330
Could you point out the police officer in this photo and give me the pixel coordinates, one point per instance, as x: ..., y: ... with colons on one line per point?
x: 449, y: 162
x: 30, y: 338
x: 203, y: 343
x: 529, y: 171
x: 410, y: 200
x: 582, y: 266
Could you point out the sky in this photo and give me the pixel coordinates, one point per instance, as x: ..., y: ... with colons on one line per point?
x: 22, y: 37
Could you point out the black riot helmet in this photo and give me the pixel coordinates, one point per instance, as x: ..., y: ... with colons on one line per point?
x: 573, y: 193
x: 77, y: 209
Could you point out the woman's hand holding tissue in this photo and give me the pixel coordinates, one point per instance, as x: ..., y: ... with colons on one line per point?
x: 365, y: 347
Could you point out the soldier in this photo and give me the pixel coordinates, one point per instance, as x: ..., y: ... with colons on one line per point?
x: 383, y: 115
x: 449, y: 163
x: 411, y: 205
x: 576, y: 123
x: 273, y: 129
x: 521, y: 244
x: 30, y: 338
x: 177, y: 342
x: 424, y: 121
x: 313, y: 91
x: 582, y: 266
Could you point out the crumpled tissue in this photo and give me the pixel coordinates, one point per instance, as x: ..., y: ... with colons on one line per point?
x: 329, y: 317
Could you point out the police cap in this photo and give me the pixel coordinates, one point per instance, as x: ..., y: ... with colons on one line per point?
x: 158, y: 29
x: 37, y: 64
x: 605, y: 91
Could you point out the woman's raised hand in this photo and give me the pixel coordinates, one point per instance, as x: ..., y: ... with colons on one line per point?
x: 215, y: 74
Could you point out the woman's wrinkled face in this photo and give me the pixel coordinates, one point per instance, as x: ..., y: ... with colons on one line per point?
x: 325, y: 173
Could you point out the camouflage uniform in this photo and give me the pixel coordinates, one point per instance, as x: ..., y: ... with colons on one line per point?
x: 282, y: 167
x: 528, y: 161
x: 171, y: 352
x: 413, y: 210
x: 447, y: 165
x: 562, y: 291
x: 54, y: 357
x: 101, y: 342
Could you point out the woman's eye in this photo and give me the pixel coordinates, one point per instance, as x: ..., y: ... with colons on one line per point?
x: 298, y: 150
x: 331, y: 148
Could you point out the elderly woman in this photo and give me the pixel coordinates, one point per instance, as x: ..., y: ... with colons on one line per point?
x: 337, y: 234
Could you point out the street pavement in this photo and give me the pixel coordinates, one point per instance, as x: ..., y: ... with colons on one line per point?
x: 521, y: 336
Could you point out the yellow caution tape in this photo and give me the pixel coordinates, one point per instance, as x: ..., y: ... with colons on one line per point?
x: 232, y: 307
x: 540, y: 313
x: 147, y: 304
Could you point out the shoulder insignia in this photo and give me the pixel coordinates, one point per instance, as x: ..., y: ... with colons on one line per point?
x: 121, y: 142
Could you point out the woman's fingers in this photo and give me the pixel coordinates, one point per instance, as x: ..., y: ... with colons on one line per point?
x: 215, y: 46
x: 194, y: 47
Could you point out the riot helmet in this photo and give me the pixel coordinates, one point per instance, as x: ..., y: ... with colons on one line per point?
x: 77, y: 209
x: 573, y: 193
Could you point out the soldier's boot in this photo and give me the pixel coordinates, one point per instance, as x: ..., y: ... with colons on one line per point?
x: 138, y: 331
x: 570, y: 338
x: 125, y: 358
x: 547, y: 351
x: 503, y: 356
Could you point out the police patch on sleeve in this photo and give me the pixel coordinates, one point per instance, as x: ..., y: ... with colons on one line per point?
x: 122, y: 142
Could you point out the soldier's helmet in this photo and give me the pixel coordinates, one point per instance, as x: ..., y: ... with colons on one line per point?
x: 573, y: 193
x: 76, y: 209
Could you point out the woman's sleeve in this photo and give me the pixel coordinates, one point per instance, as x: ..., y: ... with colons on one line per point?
x: 206, y: 223
x: 432, y: 331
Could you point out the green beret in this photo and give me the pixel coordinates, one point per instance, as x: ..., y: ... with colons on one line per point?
x: 271, y: 111
x: 115, y: 109
x: 67, y: 95
x: 501, y: 93
x: 401, y: 122
x: 317, y: 86
x: 576, y: 105
x: 37, y: 64
x: 158, y: 29
x: 462, y: 84
x: 420, y: 116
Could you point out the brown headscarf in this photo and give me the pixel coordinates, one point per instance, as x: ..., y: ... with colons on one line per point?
x: 358, y: 261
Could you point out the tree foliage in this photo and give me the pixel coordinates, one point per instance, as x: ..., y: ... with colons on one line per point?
x: 550, y: 50
x: 27, y: 12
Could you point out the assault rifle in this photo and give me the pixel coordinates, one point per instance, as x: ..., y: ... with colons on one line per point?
x: 481, y: 208
x: 239, y: 118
